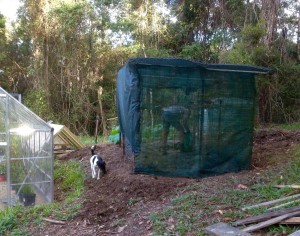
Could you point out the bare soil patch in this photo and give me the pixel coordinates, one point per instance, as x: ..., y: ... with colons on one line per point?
x: 120, y: 202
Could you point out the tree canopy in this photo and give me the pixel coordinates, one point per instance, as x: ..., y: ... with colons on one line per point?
x: 63, y: 55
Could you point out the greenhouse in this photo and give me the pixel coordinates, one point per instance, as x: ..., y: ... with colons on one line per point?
x: 26, y: 155
x: 186, y: 118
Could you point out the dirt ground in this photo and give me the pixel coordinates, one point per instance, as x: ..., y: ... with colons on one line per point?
x: 120, y: 202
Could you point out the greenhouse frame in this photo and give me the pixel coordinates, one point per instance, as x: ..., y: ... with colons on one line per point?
x: 26, y: 155
x: 184, y: 118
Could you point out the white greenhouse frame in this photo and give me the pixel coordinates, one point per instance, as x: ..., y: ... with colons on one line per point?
x: 26, y: 155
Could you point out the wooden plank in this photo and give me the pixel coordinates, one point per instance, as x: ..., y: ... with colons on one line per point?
x: 271, y: 202
x: 293, y: 186
x: 270, y: 222
x: 223, y: 229
x: 265, y: 216
x: 54, y: 221
x: 73, y: 137
x: 62, y: 151
x: 283, y: 205
x: 291, y: 221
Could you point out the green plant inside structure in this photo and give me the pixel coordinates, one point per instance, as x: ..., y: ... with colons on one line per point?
x: 3, y: 169
x: 27, y: 190
x: 150, y: 132
x: 17, y: 172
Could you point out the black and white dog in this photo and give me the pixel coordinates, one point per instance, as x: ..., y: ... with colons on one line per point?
x: 97, y: 162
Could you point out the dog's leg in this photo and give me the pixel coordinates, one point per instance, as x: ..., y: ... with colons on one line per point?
x: 93, y: 171
x: 99, y: 173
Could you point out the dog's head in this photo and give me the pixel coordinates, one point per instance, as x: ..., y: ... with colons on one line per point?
x: 93, y: 148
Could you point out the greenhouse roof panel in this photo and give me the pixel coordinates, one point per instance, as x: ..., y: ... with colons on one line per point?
x: 20, y: 114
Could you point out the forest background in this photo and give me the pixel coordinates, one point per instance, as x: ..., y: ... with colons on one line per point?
x: 63, y: 55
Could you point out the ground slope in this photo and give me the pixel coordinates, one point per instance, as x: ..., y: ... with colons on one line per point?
x: 120, y: 202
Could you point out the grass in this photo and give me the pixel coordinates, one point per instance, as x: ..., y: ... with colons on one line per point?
x: 69, y: 177
x: 292, y: 126
x: 90, y: 140
x: 189, y: 213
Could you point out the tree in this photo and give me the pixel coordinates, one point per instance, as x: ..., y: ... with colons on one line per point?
x: 3, y: 57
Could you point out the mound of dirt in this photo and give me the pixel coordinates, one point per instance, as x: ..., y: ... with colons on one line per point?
x: 122, y: 196
x: 269, y: 145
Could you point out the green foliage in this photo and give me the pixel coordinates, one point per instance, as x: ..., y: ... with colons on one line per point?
x: 153, y: 52
x: 194, y: 51
x: 8, y: 221
x: 155, y: 131
x: 237, y: 55
x: 292, y: 126
x: 114, y: 136
x: 17, y: 172
x: 37, y: 101
x: 252, y: 34
x: 90, y: 140
x: 59, y: 53
x: 27, y: 190
x: 87, y: 140
x: 248, y: 50
x: 71, y: 182
x: 2, y: 39
x: 3, y: 168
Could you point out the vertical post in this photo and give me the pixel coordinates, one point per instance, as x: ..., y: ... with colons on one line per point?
x: 8, y: 180
x: 201, y: 141
x: 52, y: 165
x: 96, y: 130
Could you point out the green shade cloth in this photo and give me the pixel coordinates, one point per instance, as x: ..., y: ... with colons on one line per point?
x: 216, y: 137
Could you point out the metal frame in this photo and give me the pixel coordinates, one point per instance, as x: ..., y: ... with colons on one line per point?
x: 32, y: 152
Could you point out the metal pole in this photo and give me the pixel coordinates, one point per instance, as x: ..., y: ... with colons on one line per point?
x: 8, y: 180
x: 52, y: 165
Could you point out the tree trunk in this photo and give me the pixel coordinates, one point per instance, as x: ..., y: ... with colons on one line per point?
x: 102, y: 113
x: 298, y: 38
x: 283, y: 52
x: 270, y: 15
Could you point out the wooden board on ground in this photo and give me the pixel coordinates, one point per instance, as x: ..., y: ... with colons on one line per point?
x: 271, y: 202
x: 265, y: 216
x: 293, y: 186
x: 272, y: 221
x: 291, y: 221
